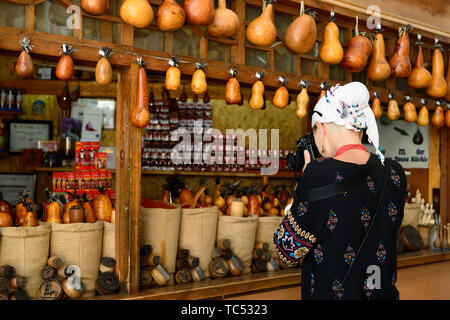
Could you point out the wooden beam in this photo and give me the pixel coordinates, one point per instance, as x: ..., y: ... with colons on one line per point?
x: 445, y: 177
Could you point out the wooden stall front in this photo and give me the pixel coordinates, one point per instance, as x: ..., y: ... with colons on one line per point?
x: 44, y: 23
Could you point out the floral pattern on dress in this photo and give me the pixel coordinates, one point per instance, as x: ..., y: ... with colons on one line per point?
x: 349, y: 255
x: 302, y: 207
x: 395, y: 178
x: 365, y: 217
x: 332, y: 221
x: 318, y: 254
x: 370, y: 184
x: 338, y: 289
x: 340, y: 178
x: 368, y: 287
x: 392, y: 211
x: 312, y: 284
x: 381, y: 253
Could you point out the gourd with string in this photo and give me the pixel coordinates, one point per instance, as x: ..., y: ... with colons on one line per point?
x: 438, y: 86
x: 199, y: 12
x: 262, y: 31
x: 358, y: 51
x: 378, y: 69
x: 302, y: 100
x: 331, y: 51
x: 438, y: 116
x: 198, y: 83
x: 138, y: 13
x: 170, y: 16
x: 420, y: 77
x: 376, y: 106
x: 423, y: 117
x: 140, y: 117
x: 233, y: 89
x: 409, y: 110
x: 173, y: 75
x: 281, y: 95
x: 301, y: 34
x: 24, y: 66
x: 399, y: 62
x: 103, y: 69
x: 256, y: 101
x: 226, y: 22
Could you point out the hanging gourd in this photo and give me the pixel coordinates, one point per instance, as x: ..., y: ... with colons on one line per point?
x: 438, y: 86
x: 376, y: 105
x: 226, y: 22
x: 331, y: 51
x: 409, y: 110
x: 423, y: 117
x: 399, y: 62
x: 281, y: 95
x: 302, y: 100
x: 358, y: 51
x: 24, y: 66
x: 198, y: 83
x: 199, y: 12
x: 170, y: 16
x: 138, y: 13
x: 262, y: 31
x: 323, y: 90
x: 438, y: 116
x: 447, y: 116
x: 95, y: 7
x: 420, y: 77
x: 103, y: 69
x: 378, y: 69
x: 173, y: 75
x: 233, y: 89
x: 64, y: 69
x: 393, y: 112
x: 140, y: 117
x: 257, y: 96
x: 301, y: 34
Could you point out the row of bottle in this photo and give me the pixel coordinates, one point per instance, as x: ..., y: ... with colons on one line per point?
x: 11, y: 99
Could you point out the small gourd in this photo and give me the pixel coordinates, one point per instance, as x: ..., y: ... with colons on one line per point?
x: 173, y: 75
x: 423, y: 117
x: 331, y: 51
x: 198, y: 83
x: 281, y: 96
x: 409, y: 110
x: 376, y: 106
x: 393, y: 112
x: 438, y: 116
x: 302, y: 101
x: 257, y: 96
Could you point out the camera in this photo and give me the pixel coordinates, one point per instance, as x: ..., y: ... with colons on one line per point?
x: 295, y: 161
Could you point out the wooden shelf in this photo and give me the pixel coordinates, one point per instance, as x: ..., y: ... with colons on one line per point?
x: 5, y: 114
x: 60, y: 169
x: 284, y: 175
x: 4, y: 154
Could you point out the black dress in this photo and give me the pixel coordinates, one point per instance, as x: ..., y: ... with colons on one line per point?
x: 325, y: 235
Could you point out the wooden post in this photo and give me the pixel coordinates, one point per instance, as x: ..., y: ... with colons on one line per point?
x: 128, y: 182
x: 445, y: 177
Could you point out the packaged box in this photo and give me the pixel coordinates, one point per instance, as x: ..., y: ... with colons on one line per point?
x: 86, y: 181
x: 70, y: 181
x: 94, y: 180
x: 100, y: 160
x: 102, y: 179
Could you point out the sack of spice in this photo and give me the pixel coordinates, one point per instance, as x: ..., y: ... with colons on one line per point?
x: 160, y: 226
x: 79, y: 244
x: 267, y: 225
x: 26, y: 249
x: 198, y: 233
x: 241, y: 231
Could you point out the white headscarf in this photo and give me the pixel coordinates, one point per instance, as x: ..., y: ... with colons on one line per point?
x: 348, y: 106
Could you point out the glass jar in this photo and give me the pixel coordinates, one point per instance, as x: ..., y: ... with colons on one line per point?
x: 66, y: 148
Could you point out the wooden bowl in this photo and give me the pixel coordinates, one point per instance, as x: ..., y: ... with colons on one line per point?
x: 76, y: 214
x: 411, y: 238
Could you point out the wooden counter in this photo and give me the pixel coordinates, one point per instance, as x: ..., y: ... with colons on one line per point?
x: 251, y: 283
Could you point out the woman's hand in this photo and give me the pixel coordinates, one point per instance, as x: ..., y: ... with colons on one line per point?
x: 307, y: 159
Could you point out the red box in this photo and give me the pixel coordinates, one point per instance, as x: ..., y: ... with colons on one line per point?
x: 70, y: 181
x: 94, y: 180
x: 100, y: 160
x: 86, y: 181
x: 103, y: 177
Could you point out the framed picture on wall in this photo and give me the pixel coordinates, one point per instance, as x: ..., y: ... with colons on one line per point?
x: 13, y: 183
x: 24, y: 134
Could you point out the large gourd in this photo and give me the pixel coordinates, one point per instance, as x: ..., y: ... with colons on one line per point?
x: 103, y: 207
x: 438, y: 86
x: 281, y: 95
x: 438, y: 116
x: 376, y: 106
x: 302, y: 101
x: 301, y: 34
x: 409, y: 110
x: 399, y: 62
x: 103, y: 69
x: 170, y: 16
x: 393, y: 112
x: 64, y: 69
x: 173, y: 75
x: 378, y: 69
x: 24, y: 66
x: 95, y: 7
x: 257, y: 96
x: 199, y: 12
x: 423, y: 117
x: 331, y: 51
x: 140, y: 116
x: 138, y: 13
x: 226, y: 22
x: 262, y: 31
x: 358, y: 52
x: 420, y: 77
x: 198, y: 83
x: 233, y: 89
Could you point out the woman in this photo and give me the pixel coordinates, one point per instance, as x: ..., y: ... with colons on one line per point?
x: 326, y: 235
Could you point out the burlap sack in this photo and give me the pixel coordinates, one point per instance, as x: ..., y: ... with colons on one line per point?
x: 160, y: 228
x: 242, y: 234
x: 198, y: 233
x: 411, y: 215
x: 266, y: 229
x: 109, y: 240
x: 26, y: 249
x: 79, y: 244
